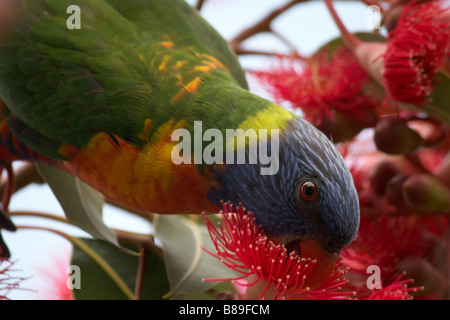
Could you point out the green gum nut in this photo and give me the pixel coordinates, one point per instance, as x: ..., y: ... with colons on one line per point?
x: 424, y: 192
x: 394, y: 190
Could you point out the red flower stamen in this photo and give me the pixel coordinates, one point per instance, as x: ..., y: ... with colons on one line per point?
x: 321, y: 85
x: 415, y: 52
x: 242, y: 246
x: 8, y: 282
x: 397, y: 290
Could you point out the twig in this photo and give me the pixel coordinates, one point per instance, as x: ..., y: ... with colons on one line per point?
x: 261, y: 26
x: 28, y: 174
x: 93, y: 255
x: 140, y: 275
x: 349, y: 39
x: 242, y: 52
x: 24, y: 176
x: 139, y: 239
x: 9, y: 189
x: 39, y: 214
x: 285, y: 40
x: 199, y: 4
x: 58, y: 232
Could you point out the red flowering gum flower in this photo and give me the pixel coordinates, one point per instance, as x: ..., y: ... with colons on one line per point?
x: 384, y: 242
x: 321, y: 85
x: 7, y: 282
x: 397, y: 290
x: 242, y: 246
x: 416, y: 51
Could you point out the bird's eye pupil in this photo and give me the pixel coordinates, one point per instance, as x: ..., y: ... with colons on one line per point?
x: 308, y: 191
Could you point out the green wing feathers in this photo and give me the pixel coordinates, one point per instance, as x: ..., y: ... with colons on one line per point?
x: 130, y: 61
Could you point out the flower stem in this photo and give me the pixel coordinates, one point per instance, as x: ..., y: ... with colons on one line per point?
x: 141, y: 240
x: 40, y: 215
x: 199, y: 4
x: 93, y: 255
x: 140, y: 275
x: 138, y: 239
x: 58, y: 232
x: 351, y: 41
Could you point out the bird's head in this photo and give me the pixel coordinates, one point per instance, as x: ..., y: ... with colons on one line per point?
x: 310, y: 204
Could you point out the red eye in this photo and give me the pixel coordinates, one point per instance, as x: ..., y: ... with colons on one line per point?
x: 308, y: 191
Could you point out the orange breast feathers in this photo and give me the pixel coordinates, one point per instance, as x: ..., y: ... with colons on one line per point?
x: 144, y: 179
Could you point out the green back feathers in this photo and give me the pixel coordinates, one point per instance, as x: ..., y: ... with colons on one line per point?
x: 130, y: 61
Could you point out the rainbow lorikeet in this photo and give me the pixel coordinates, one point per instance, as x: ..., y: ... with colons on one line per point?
x: 104, y: 100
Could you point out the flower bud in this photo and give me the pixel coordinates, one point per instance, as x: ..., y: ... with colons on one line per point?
x: 340, y: 127
x: 227, y: 295
x: 380, y: 175
x: 424, y: 275
x: 393, y: 136
x: 424, y: 192
x: 394, y: 190
x: 443, y: 171
x: 392, y: 16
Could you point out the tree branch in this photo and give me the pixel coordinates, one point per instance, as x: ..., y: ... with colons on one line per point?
x: 139, y: 239
x: 242, y: 52
x: 24, y: 176
x: 9, y: 188
x: 39, y: 214
x: 261, y: 26
x: 140, y: 275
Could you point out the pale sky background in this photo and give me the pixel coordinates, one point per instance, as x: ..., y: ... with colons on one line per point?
x: 308, y: 26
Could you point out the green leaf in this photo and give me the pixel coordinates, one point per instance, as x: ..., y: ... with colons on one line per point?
x: 219, y: 288
x: 337, y: 43
x: 439, y: 107
x: 81, y: 203
x: 108, y: 273
x: 440, y: 99
x: 187, y: 264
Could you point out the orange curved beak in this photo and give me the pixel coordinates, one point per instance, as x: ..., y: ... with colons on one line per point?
x: 325, y: 265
